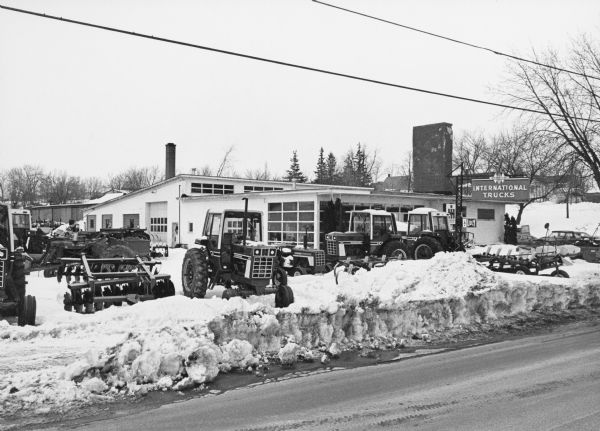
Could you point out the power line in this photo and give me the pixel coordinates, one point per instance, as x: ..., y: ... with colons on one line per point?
x: 471, y: 45
x: 283, y: 63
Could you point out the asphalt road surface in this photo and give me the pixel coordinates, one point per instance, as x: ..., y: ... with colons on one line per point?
x: 546, y: 382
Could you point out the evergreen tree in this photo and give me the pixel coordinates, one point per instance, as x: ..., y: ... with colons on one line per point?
x: 349, y: 170
x: 294, y: 173
x: 321, y: 172
x: 331, y: 174
x: 362, y: 172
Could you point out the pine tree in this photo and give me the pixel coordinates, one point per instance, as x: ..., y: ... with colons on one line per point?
x: 332, y: 174
x: 362, y: 174
x: 349, y: 170
x: 321, y: 172
x: 294, y: 173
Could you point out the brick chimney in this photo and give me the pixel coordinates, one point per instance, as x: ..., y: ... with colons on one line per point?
x: 170, y: 161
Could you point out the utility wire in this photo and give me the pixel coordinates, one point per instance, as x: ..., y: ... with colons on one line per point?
x: 472, y: 45
x: 283, y: 63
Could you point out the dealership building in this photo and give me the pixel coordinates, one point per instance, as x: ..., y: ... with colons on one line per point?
x: 173, y: 211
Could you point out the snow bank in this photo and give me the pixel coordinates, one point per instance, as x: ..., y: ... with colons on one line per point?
x: 177, y: 343
x: 583, y: 216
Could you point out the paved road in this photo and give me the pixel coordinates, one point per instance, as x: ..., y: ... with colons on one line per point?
x: 549, y: 382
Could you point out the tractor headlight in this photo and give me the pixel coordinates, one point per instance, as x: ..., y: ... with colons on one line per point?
x: 257, y: 252
x: 272, y: 252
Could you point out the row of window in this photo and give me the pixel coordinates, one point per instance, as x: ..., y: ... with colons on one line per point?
x: 213, y: 189
x: 260, y: 189
x: 227, y: 189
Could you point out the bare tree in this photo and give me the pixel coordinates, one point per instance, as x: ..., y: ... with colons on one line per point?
x: 260, y: 174
x: 135, y: 178
x: 571, y: 103
x: 470, y: 150
x: 93, y: 187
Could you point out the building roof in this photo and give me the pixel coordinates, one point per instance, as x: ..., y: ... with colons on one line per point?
x: 299, y: 187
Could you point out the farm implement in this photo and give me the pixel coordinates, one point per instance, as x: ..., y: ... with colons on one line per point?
x: 524, y: 264
x: 97, y: 283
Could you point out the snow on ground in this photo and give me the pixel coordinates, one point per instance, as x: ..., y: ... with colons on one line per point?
x: 583, y: 216
x: 174, y: 343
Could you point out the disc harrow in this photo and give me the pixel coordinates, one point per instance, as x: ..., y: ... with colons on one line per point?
x: 97, y: 283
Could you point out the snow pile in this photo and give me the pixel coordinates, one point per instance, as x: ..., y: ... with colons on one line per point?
x: 177, y: 343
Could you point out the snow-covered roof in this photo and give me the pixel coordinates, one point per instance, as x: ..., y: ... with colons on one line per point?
x: 374, y: 212
x: 425, y: 210
x: 105, y: 198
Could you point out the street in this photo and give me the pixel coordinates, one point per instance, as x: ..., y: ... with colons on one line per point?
x: 544, y: 382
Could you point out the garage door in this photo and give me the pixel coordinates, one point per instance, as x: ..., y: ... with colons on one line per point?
x: 158, y: 221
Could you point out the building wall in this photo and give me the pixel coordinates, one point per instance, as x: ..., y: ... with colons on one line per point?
x: 188, y: 214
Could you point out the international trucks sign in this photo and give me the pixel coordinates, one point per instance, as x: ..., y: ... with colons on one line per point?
x: 501, y: 188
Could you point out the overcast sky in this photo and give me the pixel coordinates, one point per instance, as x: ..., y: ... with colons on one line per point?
x: 91, y: 102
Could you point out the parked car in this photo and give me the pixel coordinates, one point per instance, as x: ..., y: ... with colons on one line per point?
x: 560, y: 237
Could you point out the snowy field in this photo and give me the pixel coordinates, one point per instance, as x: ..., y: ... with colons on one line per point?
x: 175, y: 343
x: 583, y: 216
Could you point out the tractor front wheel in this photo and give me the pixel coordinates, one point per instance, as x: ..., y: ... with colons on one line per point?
x: 27, y: 310
x: 284, y: 296
x: 194, y: 273
x: 426, y: 247
x: 279, y: 277
x: 394, y: 250
x: 560, y: 273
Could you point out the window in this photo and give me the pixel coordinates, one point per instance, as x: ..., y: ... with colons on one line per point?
x: 158, y: 224
x: 212, y: 189
x: 92, y: 223
x: 260, y: 189
x: 190, y: 227
x: 107, y: 221
x: 486, y: 214
x: 418, y: 223
x: 289, y: 222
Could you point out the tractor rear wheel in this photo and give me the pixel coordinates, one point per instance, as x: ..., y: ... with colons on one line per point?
x: 194, y: 273
x: 27, y: 310
x: 426, y: 247
x: 394, y: 250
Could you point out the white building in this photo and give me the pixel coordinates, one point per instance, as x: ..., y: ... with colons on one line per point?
x: 173, y: 210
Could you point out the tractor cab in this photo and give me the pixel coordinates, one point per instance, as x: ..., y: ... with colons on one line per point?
x: 429, y: 232
x: 372, y: 232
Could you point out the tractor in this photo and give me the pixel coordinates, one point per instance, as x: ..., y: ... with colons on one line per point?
x: 428, y: 233
x: 13, y: 269
x: 231, y: 252
x: 372, y: 233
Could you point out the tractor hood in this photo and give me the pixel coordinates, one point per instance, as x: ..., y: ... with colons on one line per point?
x: 346, y: 236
